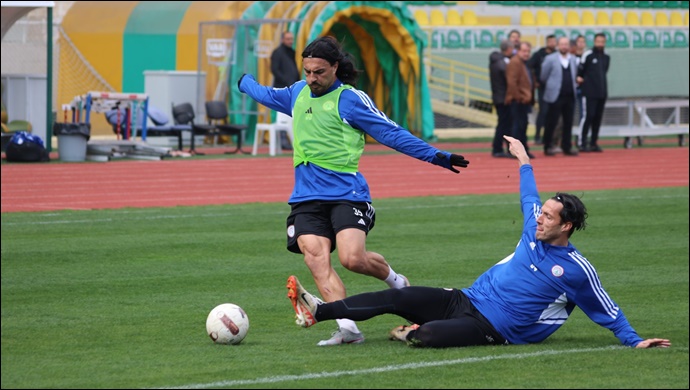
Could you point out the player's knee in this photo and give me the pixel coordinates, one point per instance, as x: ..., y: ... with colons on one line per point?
x: 422, y: 337
x: 354, y: 263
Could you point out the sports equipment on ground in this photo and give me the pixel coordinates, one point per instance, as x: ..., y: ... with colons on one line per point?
x: 227, y: 323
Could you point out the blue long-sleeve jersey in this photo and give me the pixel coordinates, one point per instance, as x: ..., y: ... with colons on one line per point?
x: 528, y: 295
x: 313, y: 182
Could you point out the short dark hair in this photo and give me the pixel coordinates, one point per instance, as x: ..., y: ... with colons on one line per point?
x: 550, y: 36
x: 573, y: 211
x: 329, y: 49
x: 600, y: 35
x: 514, y: 31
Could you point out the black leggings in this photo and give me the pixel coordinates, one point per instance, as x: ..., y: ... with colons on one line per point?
x: 446, y: 317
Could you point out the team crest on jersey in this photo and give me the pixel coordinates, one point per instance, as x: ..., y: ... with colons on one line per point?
x: 328, y: 106
x: 557, y: 271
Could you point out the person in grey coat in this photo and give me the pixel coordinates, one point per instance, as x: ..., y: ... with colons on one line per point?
x: 558, y: 75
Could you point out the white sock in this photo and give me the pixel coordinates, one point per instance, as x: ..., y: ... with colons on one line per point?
x: 394, y: 280
x: 350, y: 325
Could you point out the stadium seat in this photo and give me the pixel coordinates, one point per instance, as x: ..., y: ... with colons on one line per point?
x: 651, y: 39
x: 437, y: 18
x: 469, y: 18
x: 647, y: 19
x: 559, y: 32
x: 685, y: 21
x: 453, y: 18
x: 680, y: 39
x: 644, y: 4
x: 632, y: 19
x: 616, y: 4
x: 572, y: 18
x: 422, y: 17
x: 662, y: 19
x: 617, y: 18
x: 588, y: 18
x: 543, y: 18
x: 630, y: 4
x: 676, y: 19
x: 585, y: 4
x: 574, y: 33
x: 666, y: 39
x: 620, y: 40
x: 601, y: 4
x: 484, y: 39
x: 527, y: 18
x: 637, y: 39
x: 589, y: 37
x: 603, y: 18
x: 659, y: 4
x: 557, y: 18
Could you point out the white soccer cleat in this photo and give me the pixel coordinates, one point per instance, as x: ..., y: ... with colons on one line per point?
x: 342, y: 336
x: 303, y: 302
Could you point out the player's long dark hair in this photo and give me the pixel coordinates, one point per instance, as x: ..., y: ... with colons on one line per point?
x: 574, y: 211
x: 331, y: 50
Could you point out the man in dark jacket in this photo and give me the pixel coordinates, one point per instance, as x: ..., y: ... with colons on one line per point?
x: 285, y: 72
x: 497, y: 76
x: 535, y: 65
x: 520, y: 92
x: 592, y: 78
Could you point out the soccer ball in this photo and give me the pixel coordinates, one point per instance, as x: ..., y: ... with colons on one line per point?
x: 227, y: 323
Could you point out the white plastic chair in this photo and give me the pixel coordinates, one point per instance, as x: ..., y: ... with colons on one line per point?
x: 283, y: 123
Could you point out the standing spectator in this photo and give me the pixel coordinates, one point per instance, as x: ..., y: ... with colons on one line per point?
x: 497, y: 75
x: 558, y: 73
x: 514, y: 36
x: 577, y: 48
x: 520, y: 92
x: 285, y: 72
x: 592, y: 78
x: 535, y: 65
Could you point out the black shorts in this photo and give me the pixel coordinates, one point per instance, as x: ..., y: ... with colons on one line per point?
x: 326, y: 219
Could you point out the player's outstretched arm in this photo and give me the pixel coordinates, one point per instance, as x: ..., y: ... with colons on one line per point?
x: 451, y: 160
x: 517, y: 149
x: 652, y: 343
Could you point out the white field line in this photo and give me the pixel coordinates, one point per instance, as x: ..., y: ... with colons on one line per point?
x: 397, y: 367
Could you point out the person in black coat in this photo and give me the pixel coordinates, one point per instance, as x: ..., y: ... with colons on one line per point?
x: 497, y: 77
x: 592, y: 79
x: 285, y: 72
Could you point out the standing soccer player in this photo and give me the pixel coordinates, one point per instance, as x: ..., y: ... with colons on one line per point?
x: 330, y: 201
x: 522, y: 299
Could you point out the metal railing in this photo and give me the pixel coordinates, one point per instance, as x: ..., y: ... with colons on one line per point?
x: 456, y: 81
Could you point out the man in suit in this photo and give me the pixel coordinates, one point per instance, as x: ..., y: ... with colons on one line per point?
x: 558, y: 74
x: 520, y: 92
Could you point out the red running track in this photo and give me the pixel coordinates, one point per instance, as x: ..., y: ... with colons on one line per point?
x: 187, y: 182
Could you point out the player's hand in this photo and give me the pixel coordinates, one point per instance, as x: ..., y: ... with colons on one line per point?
x: 239, y: 82
x: 456, y: 160
x: 651, y: 343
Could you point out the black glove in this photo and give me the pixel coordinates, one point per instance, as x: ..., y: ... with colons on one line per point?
x: 455, y: 160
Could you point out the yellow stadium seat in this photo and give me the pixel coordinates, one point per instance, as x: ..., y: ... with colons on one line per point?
x: 572, y: 18
x: 469, y: 18
x: 617, y: 18
x: 453, y: 18
x: 422, y: 17
x: 543, y: 18
x: 437, y: 18
x: 588, y: 18
x: 647, y: 19
x: 527, y: 18
x: 662, y: 19
x: 557, y: 18
x: 632, y: 19
x: 676, y: 19
x: 603, y: 18
x: 686, y: 19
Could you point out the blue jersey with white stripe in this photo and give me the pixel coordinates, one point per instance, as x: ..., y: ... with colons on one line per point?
x: 313, y: 182
x: 528, y: 295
